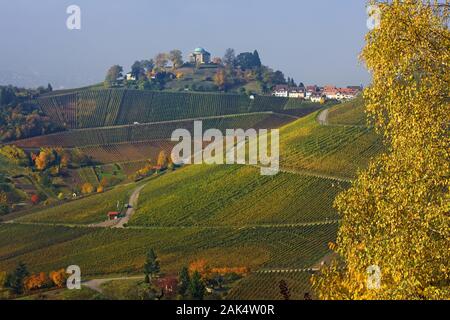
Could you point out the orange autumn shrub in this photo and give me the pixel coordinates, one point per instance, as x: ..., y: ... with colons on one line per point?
x: 59, y: 278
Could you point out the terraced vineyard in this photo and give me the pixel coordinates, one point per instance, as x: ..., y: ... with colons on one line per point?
x: 327, y: 150
x: 235, y: 196
x: 84, y: 211
x: 229, y: 215
x: 61, y: 109
x: 127, y: 152
x: 150, y: 131
x: 265, y: 286
x: 87, y: 175
x: 99, y: 108
x: 102, y: 251
x: 349, y: 113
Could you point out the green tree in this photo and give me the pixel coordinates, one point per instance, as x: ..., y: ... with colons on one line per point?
x: 229, y: 59
x: 15, y: 280
x: 176, y: 57
x: 137, y: 70
x: 114, y: 73
x: 395, y: 217
x: 151, y: 266
x: 161, y: 60
x: 148, y: 65
x: 197, y: 287
x: 184, y: 281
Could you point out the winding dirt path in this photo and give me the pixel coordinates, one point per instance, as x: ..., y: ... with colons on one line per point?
x: 133, y: 202
x: 323, y: 117
x: 96, y: 284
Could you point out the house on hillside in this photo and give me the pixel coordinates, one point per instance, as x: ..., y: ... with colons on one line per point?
x: 317, y: 98
x: 284, y: 91
x: 340, y: 94
x: 200, y: 56
x: 311, y: 90
x: 281, y: 90
x: 129, y: 76
x: 297, y: 92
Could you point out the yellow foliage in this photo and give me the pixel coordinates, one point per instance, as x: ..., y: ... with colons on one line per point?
x: 59, y: 278
x: 87, y: 188
x: 37, y: 281
x: 201, y: 266
x: 395, y: 216
x: 163, y: 160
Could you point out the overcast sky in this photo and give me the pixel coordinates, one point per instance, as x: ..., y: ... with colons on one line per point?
x: 313, y: 41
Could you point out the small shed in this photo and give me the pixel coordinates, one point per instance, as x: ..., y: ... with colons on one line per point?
x: 113, y: 215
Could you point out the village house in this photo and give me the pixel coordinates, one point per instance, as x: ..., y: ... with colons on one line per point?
x: 129, y: 77
x: 311, y: 90
x: 285, y: 91
x: 317, y: 98
x: 340, y: 94
x: 298, y: 92
x: 200, y: 56
x: 281, y: 91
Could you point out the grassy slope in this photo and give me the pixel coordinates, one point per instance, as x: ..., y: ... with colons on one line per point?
x: 337, y: 150
x: 85, y: 211
x: 100, y: 251
x: 235, y: 196
x: 349, y: 113
x: 266, y: 286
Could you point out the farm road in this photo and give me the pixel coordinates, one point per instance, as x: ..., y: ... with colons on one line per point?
x: 130, y: 211
x: 96, y: 284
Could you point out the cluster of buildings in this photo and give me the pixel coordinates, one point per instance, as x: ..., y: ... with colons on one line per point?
x: 316, y: 93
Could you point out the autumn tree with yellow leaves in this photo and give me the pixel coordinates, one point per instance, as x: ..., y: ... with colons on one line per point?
x: 396, y: 215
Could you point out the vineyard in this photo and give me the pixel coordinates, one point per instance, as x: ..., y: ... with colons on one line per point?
x: 265, y: 286
x: 84, y: 211
x: 327, y: 150
x: 127, y: 152
x: 88, y: 175
x: 99, y: 108
x: 349, y: 113
x: 149, y: 131
x: 235, y: 196
x: 102, y: 251
x: 229, y: 215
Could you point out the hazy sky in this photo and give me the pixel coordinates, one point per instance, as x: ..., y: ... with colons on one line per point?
x: 314, y: 41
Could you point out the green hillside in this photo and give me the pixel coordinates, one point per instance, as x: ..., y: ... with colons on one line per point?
x: 100, y: 251
x: 349, y: 113
x: 229, y: 215
x: 235, y: 196
x: 333, y: 150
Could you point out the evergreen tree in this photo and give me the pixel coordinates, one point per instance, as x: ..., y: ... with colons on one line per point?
x: 151, y: 266
x: 15, y: 280
x: 184, y: 281
x: 256, y: 59
x: 197, y: 287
